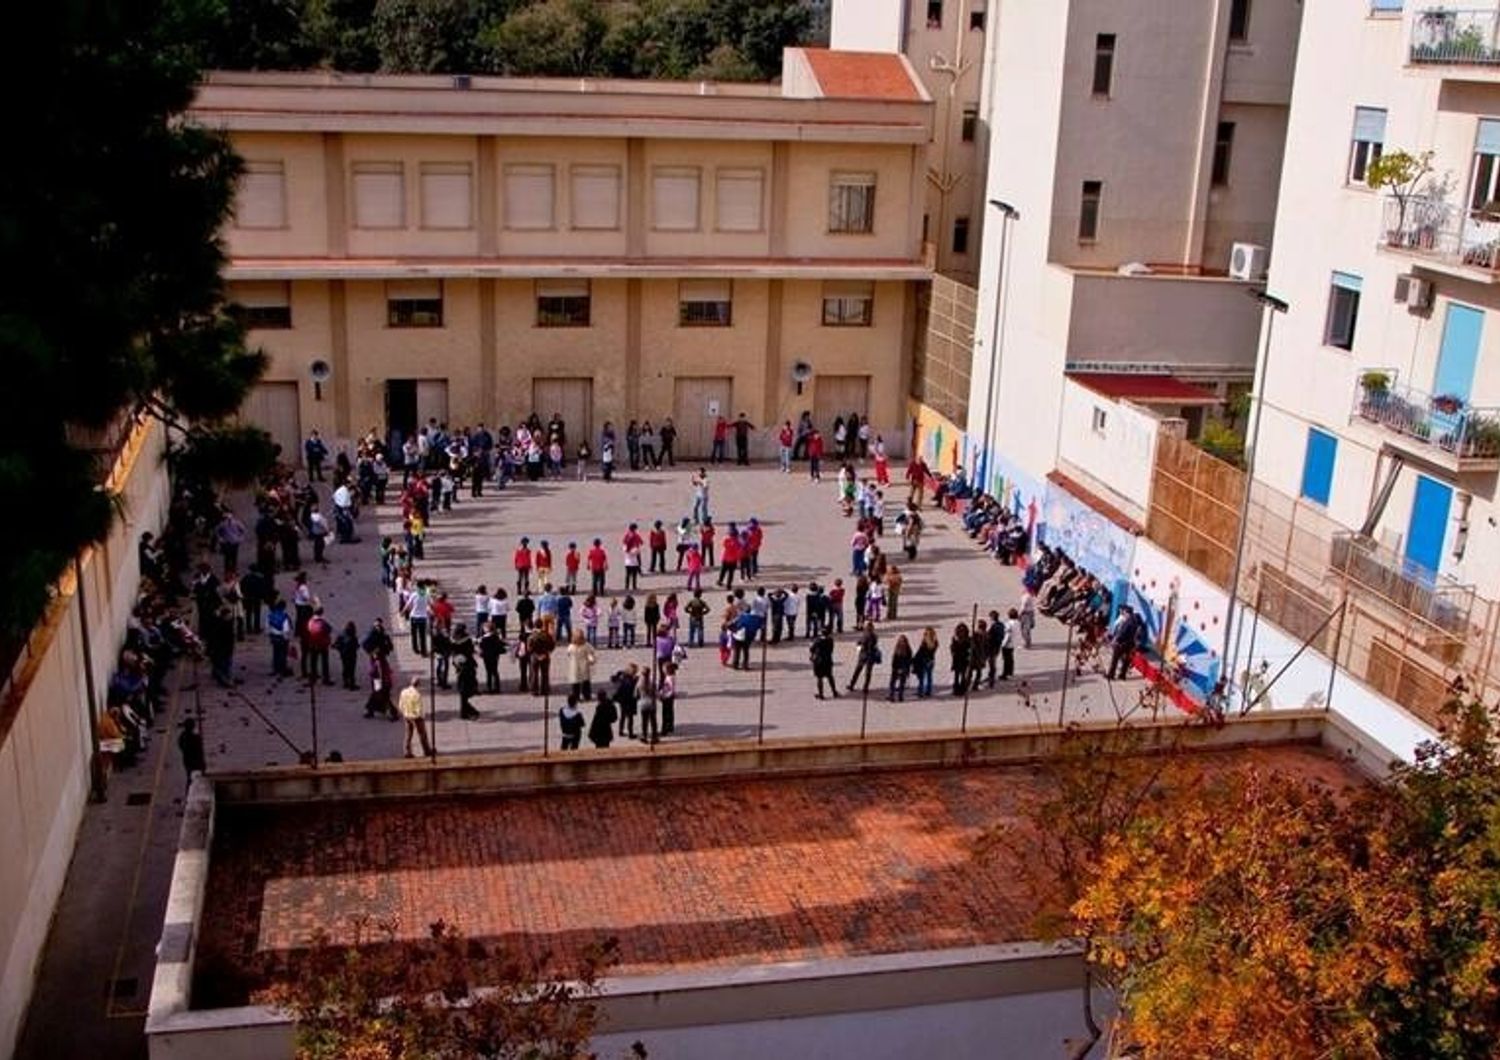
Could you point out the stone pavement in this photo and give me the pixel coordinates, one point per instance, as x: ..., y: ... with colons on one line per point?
x: 265, y: 721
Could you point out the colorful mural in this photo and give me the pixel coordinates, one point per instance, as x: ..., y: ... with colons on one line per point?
x: 1184, y: 615
x: 1096, y: 543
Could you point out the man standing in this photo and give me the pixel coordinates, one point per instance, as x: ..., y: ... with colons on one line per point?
x: 742, y: 429
x: 315, y: 450
x: 700, y: 500
x: 721, y: 435
x: 410, y: 706
x: 867, y: 655
x: 668, y: 436
x: 1008, y: 644
x: 916, y: 480
x: 1123, y: 638
x: 815, y: 455
x: 190, y: 743
x: 522, y: 560
x: 598, y: 561
x: 230, y: 534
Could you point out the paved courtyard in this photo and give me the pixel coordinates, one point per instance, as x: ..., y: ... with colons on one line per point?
x: 265, y: 721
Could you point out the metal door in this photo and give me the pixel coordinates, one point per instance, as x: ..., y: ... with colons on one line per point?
x: 1428, y: 528
x: 432, y: 401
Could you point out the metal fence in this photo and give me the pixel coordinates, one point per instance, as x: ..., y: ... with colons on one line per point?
x: 945, y: 348
x: 1408, y: 634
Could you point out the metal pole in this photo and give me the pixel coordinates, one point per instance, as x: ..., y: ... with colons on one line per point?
x: 1008, y: 213
x: 1062, y: 702
x: 760, y: 728
x: 547, y: 720
x: 1250, y: 652
x: 432, y: 698
x: 1333, y: 656
x: 864, y: 702
x: 963, y: 725
x: 1270, y: 307
x: 98, y: 785
x: 312, y: 695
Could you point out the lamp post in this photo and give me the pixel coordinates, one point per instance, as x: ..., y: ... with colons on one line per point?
x: 1008, y: 213
x: 1270, y: 307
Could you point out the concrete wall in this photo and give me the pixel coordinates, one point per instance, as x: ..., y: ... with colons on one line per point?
x: 868, y: 25
x: 1116, y: 460
x: 44, y: 743
x: 1203, y: 324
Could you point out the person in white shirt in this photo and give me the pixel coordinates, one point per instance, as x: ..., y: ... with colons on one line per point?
x: 499, y: 610
x: 789, y: 612
x: 481, y: 607
x: 418, y: 611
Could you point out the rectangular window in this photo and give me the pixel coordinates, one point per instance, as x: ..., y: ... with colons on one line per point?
x: 1101, y: 420
x: 595, y: 194
x: 529, y: 197
x: 960, y: 235
x: 703, y: 303
x: 970, y: 124
x: 848, y: 303
x: 738, y: 198
x: 262, y: 196
x: 1343, y: 310
x: 1223, y: 149
x: 1104, y: 63
x: 1239, y: 20
x: 379, y: 195
x: 562, y: 303
x: 1369, y: 141
x: 1386, y: 7
x: 414, y: 303
x: 447, y: 195
x: 261, y: 304
x: 851, y: 203
x: 934, y: 14
x: 976, y: 20
x: 674, y: 198
x: 1088, y: 210
x: 1317, y: 465
x: 1483, y: 188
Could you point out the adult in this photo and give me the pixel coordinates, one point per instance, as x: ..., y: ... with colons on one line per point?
x: 721, y: 435
x: 917, y: 475
x: 570, y: 723
x: 410, y: 707
x: 901, y: 666
x: 1123, y: 636
x: 315, y: 451
x: 598, y: 561
x: 867, y: 654
x: 602, y: 725
x: 230, y: 534
x: 581, y: 659
x: 742, y: 429
x: 279, y: 633
x: 668, y: 436
x: 924, y: 662
x: 821, y: 654
x: 960, y: 655
x: 815, y: 456
x: 190, y: 745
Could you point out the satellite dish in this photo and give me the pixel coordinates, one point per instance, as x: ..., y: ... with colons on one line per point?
x: 320, y: 370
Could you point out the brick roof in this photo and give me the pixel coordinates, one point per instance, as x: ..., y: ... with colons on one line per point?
x: 861, y: 75
x: 734, y: 873
x: 1137, y: 386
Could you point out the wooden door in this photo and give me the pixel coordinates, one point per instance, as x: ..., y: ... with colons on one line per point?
x: 274, y: 408
x: 839, y: 395
x: 697, y: 402
x: 432, y: 401
x: 572, y: 399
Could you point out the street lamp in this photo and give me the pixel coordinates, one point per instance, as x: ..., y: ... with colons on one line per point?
x: 1270, y: 307
x: 1008, y: 213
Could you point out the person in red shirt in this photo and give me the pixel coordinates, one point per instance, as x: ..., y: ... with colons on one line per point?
x: 543, y: 563
x: 753, y: 540
x: 658, y: 541
x: 729, y: 556
x: 523, y: 566
x: 815, y: 455
x: 598, y: 563
x: 721, y: 435
x: 786, y: 439
x: 706, y: 541
x: 442, y: 613
x: 916, y: 478
x: 571, y: 562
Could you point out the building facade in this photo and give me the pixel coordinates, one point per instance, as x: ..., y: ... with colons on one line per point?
x: 945, y: 42
x: 1133, y: 144
x: 1382, y: 381
x: 475, y: 249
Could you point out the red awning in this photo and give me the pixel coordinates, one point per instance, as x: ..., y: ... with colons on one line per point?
x: 1147, y: 389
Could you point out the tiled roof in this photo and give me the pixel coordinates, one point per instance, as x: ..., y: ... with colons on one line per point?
x: 861, y: 75
x: 1136, y: 386
x: 689, y: 876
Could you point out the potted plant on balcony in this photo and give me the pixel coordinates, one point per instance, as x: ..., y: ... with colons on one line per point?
x: 1447, y: 404
x: 1482, y: 437
x: 1399, y: 172
x: 1375, y: 387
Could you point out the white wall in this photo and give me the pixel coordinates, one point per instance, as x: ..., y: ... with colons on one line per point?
x: 868, y: 25
x: 1115, y: 461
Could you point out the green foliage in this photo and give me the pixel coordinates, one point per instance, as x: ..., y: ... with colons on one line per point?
x: 1223, y: 441
x: 731, y: 40
x: 110, y: 237
x: 232, y: 455
x: 1399, y: 170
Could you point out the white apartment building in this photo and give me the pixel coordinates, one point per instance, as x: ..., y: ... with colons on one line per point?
x: 1134, y: 144
x: 1382, y: 381
x: 945, y: 40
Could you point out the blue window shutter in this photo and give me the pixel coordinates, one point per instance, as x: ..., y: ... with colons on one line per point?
x: 1428, y: 528
x: 1488, y: 140
x: 1459, y: 354
x: 1317, y: 465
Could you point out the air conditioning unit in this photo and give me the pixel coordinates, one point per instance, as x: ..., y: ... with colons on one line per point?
x: 1247, y: 261
x: 1414, y: 292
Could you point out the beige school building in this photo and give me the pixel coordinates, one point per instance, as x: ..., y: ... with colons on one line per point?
x: 473, y: 249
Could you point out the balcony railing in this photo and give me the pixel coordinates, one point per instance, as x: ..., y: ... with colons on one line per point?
x: 1444, y: 422
x: 1431, y: 228
x: 1452, y: 37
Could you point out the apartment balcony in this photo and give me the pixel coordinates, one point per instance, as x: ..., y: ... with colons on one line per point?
x: 1456, y: 44
x: 1443, y: 236
x: 1440, y: 430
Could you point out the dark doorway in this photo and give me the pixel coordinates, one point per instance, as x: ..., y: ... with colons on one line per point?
x: 400, y: 413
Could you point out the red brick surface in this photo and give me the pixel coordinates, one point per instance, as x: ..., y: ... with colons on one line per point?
x: 736, y: 873
x: 861, y: 75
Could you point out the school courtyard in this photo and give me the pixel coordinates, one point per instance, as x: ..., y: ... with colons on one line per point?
x: 267, y: 721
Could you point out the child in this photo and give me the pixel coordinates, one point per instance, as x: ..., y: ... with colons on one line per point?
x: 584, y: 453
x: 861, y: 595
x: 590, y: 616
x: 706, y: 534
x: 694, y: 567
x: 543, y: 564
x: 572, y: 559
x: 726, y: 646
x: 836, y: 604
x: 614, y: 623
x: 481, y: 607
x: 607, y: 459
x: 875, y: 602
x: 500, y: 611
x: 523, y: 660
x: 629, y: 621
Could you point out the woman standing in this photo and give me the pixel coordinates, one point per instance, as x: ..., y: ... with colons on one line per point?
x: 962, y: 657
x: 901, y: 664
x: 882, y: 463
x: 821, y: 654
x: 602, y: 726
x: 924, y: 662
x: 581, y: 659
x: 651, y: 615
x: 666, y: 692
